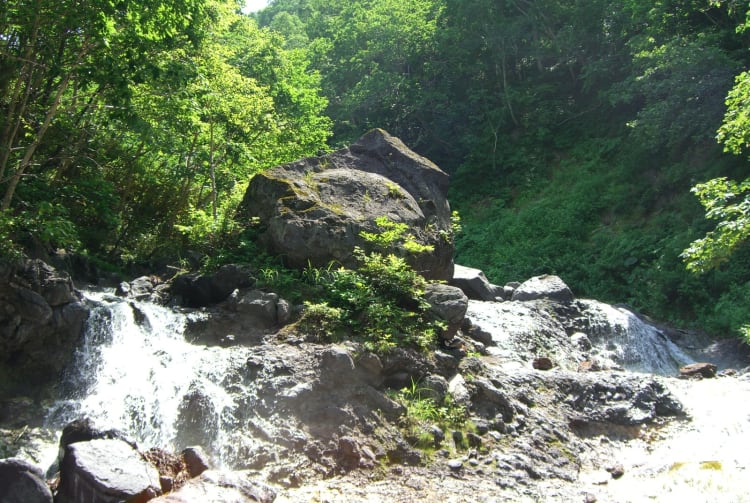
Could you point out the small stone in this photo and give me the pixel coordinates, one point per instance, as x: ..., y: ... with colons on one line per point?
x: 589, y: 498
x: 701, y: 370
x: 542, y: 363
x: 589, y: 366
x: 616, y: 471
x: 474, y: 440
x: 455, y: 464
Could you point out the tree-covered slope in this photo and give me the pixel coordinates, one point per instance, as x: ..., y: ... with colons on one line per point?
x: 574, y: 130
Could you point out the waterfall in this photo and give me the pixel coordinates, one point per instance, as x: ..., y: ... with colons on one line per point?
x: 621, y: 336
x: 135, y: 372
x: 521, y: 331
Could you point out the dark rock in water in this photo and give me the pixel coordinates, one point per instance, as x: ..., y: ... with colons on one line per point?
x: 41, y: 320
x: 140, y: 288
x: 544, y: 287
x: 314, y: 210
x: 701, y: 370
x: 542, y: 363
x: 196, y: 460
x: 106, y: 471
x: 220, y: 487
x: 475, y: 284
x: 21, y: 482
x: 197, y: 419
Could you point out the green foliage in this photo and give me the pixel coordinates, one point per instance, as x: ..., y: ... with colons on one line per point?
x: 728, y: 202
x: 380, y: 303
x: 423, y: 412
x: 392, y: 237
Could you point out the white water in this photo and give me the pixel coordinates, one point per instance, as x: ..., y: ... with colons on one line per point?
x: 521, y: 330
x: 624, y: 338
x: 135, y: 372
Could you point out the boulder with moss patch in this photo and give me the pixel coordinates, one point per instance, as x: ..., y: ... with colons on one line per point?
x: 313, y: 211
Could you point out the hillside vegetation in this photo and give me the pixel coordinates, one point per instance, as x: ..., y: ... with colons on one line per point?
x: 573, y: 131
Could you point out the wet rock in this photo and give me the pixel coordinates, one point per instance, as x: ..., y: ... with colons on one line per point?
x: 139, y: 289
x: 22, y: 482
x: 106, y: 471
x: 622, y: 400
x: 543, y: 287
x: 701, y: 370
x: 475, y: 284
x: 455, y: 465
x: 312, y: 211
x: 197, y: 419
x: 196, y: 460
x: 84, y: 430
x: 220, y: 487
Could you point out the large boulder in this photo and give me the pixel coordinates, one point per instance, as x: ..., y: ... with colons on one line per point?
x: 313, y: 211
x: 546, y: 287
x: 106, y: 470
x: 41, y: 319
x: 21, y: 482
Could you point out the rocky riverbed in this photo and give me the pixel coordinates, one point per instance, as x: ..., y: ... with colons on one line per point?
x: 323, y: 422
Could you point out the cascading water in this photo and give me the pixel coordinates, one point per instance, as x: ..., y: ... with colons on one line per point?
x: 136, y: 372
x: 621, y: 336
x: 521, y: 331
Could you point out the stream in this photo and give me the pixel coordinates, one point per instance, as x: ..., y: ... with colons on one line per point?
x: 136, y: 372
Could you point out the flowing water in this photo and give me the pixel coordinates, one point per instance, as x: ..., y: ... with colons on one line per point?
x: 135, y: 372
x: 624, y: 338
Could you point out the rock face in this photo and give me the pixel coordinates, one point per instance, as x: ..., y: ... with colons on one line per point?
x: 41, y: 319
x: 313, y: 210
x: 105, y: 471
x: 21, y: 482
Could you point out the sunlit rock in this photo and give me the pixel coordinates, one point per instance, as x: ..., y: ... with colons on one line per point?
x: 314, y: 210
